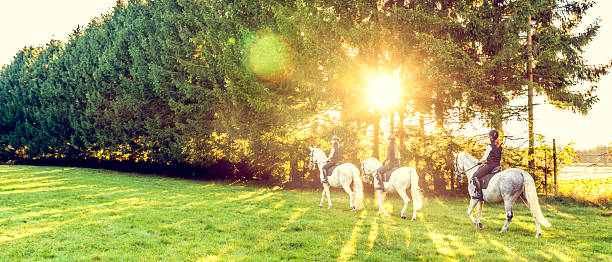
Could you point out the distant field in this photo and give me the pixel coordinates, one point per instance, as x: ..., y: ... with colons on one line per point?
x: 589, y: 182
x: 584, y: 171
x: 71, y: 214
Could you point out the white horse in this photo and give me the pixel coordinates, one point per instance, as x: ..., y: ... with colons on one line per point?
x: 342, y: 176
x: 505, y: 186
x: 401, y: 179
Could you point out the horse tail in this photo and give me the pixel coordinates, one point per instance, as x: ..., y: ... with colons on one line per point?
x: 357, y: 188
x: 415, y: 190
x: 532, y: 198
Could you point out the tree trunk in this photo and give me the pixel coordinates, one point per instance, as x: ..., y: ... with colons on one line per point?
x: 376, y: 132
x: 421, y: 123
x: 293, y: 173
x: 400, y: 130
x: 438, y: 179
x: 530, y: 95
x: 392, y: 123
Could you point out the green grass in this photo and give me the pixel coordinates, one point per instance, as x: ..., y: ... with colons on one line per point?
x: 70, y: 214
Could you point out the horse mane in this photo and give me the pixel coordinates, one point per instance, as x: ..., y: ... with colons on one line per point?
x: 469, y: 156
x: 318, y: 151
x: 371, y: 163
x: 372, y: 159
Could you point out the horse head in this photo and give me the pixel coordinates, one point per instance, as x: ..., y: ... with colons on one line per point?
x: 317, y: 156
x: 458, y: 174
x: 369, y: 167
x: 464, y: 162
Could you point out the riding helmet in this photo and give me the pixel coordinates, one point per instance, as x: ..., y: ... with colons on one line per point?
x: 493, y: 134
x: 335, y: 138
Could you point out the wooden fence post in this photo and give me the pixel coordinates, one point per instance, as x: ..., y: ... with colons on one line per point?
x: 555, y: 165
x: 545, y: 172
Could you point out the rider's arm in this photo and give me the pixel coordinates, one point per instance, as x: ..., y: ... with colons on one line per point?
x: 486, y: 154
x: 331, y: 154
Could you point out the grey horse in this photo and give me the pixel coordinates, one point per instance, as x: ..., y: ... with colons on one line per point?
x: 505, y: 186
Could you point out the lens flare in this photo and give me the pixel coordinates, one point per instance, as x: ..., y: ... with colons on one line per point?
x: 384, y: 91
x: 269, y: 56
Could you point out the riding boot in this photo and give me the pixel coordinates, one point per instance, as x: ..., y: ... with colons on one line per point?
x: 381, y: 182
x: 478, y: 189
x: 324, y: 181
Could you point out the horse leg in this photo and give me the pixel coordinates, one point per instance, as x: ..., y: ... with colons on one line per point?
x: 348, y: 190
x: 479, y: 214
x: 539, y: 230
x: 329, y: 204
x: 322, y: 196
x: 324, y: 184
x: 405, y: 197
x: 473, y: 203
x: 508, y: 205
x: 381, y: 199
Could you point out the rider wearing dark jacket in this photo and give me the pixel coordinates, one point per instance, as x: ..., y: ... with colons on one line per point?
x: 335, y: 158
x: 491, y: 158
x: 392, y: 158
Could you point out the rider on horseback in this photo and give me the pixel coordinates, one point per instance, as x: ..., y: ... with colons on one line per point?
x: 491, y: 160
x: 392, y: 158
x: 335, y: 157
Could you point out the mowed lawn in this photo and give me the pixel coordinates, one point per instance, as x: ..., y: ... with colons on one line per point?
x: 72, y: 214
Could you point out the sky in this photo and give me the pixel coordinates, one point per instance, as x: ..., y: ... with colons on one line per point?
x: 596, y: 127
x: 36, y: 22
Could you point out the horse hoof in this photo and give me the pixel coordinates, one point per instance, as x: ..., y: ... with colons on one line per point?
x: 413, y: 219
x: 321, y: 206
x: 479, y: 225
x: 403, y: 217
x: 538, y: 235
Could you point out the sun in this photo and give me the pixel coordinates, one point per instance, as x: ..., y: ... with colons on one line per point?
x: 384, y: 91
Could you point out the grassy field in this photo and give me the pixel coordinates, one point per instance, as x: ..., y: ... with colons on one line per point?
x: 68, y: 214
x: 595, y: 190
x: 589, y: 182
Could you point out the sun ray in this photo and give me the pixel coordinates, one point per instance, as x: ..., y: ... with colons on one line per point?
x: 384, y: 91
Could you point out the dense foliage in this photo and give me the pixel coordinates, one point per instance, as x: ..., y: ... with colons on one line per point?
x: 254, y: 83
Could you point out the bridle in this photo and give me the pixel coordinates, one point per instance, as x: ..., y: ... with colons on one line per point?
x: 312, y: 162
x: 365, y: 174
x: 458, y: 175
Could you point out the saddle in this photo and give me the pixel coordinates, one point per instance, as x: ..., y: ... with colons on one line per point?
x: 331, y: 170
x: 484, y: 181
x: 385, y: 178
x: 387, y: 175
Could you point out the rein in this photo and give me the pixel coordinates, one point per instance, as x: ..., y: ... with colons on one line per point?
x: 457, y: 173
x: 313, y: 162
x: 371, y: 173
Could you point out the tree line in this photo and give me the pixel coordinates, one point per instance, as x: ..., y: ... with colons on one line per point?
x: 250, y: 84
x: 598, y: 154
